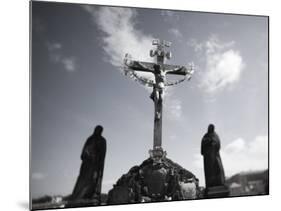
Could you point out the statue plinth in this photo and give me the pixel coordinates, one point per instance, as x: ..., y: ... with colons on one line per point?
x: 217, y: 191
x: 157, y: 154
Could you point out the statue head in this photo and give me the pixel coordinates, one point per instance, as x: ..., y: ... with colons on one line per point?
x: 98, y: 130
x: 211, y: 128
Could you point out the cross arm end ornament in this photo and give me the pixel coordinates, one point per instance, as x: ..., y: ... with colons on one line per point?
x: 132, y: 65
x: 179, y: 70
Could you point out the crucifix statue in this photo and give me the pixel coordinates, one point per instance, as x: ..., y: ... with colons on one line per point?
x: 159, y: 69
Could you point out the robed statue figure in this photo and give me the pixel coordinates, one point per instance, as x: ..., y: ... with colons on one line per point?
x: 210, y: 146
x: 88, y: 185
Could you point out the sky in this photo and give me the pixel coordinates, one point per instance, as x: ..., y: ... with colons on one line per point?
x: 77, y: 83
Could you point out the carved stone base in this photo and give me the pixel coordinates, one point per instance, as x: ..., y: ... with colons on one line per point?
x: 157, y: 154
x: 217, y: 192
x: 156, y: 179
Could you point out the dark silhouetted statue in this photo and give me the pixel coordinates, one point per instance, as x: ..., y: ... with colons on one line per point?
x: 210, y: 146
x: 88, y: 185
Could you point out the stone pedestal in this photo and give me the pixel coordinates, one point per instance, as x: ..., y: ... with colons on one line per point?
x: 217, y: 192
x: 156, y: 179
x: 157, y: 154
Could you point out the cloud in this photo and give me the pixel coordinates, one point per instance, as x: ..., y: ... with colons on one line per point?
x: 172, y: 105
x: 37, y: 176
x: 53, y: 46
x: 175, y: 32
x: 242, y: 156
x: 69, y: 64
x: 170, y: 16
x: 173, y: 137
x: 172, y: 19
x: 239, y: 155
x: 56, y: 56
x: 197, y: 46
x: 120, y: 35
x: 223, y: 64
x: 173, y: 108
x: 236, y: 146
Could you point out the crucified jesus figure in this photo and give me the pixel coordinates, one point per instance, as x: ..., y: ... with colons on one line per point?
x: 158, y: 89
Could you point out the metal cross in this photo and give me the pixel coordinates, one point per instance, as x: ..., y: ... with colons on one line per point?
x: 159, y: 70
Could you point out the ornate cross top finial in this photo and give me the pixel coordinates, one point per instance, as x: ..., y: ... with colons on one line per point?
x: 160, y: 50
